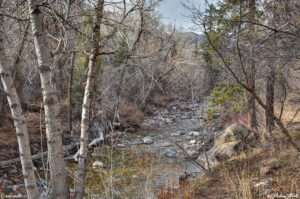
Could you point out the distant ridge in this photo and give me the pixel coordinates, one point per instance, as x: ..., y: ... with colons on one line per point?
x: 192, y: 37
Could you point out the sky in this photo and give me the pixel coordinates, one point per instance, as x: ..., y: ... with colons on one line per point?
x: 173, y: 12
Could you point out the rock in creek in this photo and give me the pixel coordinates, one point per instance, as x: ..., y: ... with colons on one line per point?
x: 167, y: 144
x: 193, y: 154
x: 148, y: 140
x: 170, y: 153
x: 129, y: 143
x: 99, y: 164
x: 159, y: 137
x: 194, y: 133
x: 193, y: 141
x: 95, y: 155
x: 176, y: 134
x: 167, y: 120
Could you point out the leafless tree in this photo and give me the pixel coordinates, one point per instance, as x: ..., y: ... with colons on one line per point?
x: 58, y: 184
x: 18, y: 117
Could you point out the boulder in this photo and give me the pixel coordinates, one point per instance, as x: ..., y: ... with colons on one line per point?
x: 235, y: 132
x: 230, y: 142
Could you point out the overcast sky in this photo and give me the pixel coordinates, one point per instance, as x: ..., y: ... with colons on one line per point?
x: 173, y: 12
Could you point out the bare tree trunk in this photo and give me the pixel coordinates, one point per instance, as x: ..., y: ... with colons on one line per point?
x: 251, y: 71
x: 58, y: 188
x: 87, y: 99
x: 270, y: 124
x: 252, y: 120
x: 60, y: 76
x: 19, y: 122
x: 1, y: 107
x: 70, y: 93
x: 17, y: 59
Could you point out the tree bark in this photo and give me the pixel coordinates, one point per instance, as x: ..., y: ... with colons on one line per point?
x: 17, y: 59
x: 252, y: 120
x: 87, y: 99
x: 70, y: 94
x: 270, y: 124
x: 1, y: 107
x: 19, y: 121
x: 58, y: 188
x: 251, y: 71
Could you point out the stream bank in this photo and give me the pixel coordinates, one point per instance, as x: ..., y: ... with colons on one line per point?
x: 142, y: 163
x: 157, y: 156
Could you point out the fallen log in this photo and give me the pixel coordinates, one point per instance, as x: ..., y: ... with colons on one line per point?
x: 44, y: 154
x: 34, y: 157
x: 93, y: 143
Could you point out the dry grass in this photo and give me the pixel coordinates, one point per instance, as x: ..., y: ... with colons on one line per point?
x: 288, y: 113
x: 235, y: 179
x: 169, y: 192
x: 239, y: 184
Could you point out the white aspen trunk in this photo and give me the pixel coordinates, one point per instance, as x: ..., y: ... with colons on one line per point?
x: 58, y: 188
x: 19, y: 121
x: 87, y: 99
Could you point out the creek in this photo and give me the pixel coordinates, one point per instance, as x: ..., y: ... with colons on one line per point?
x: 141, y: 164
